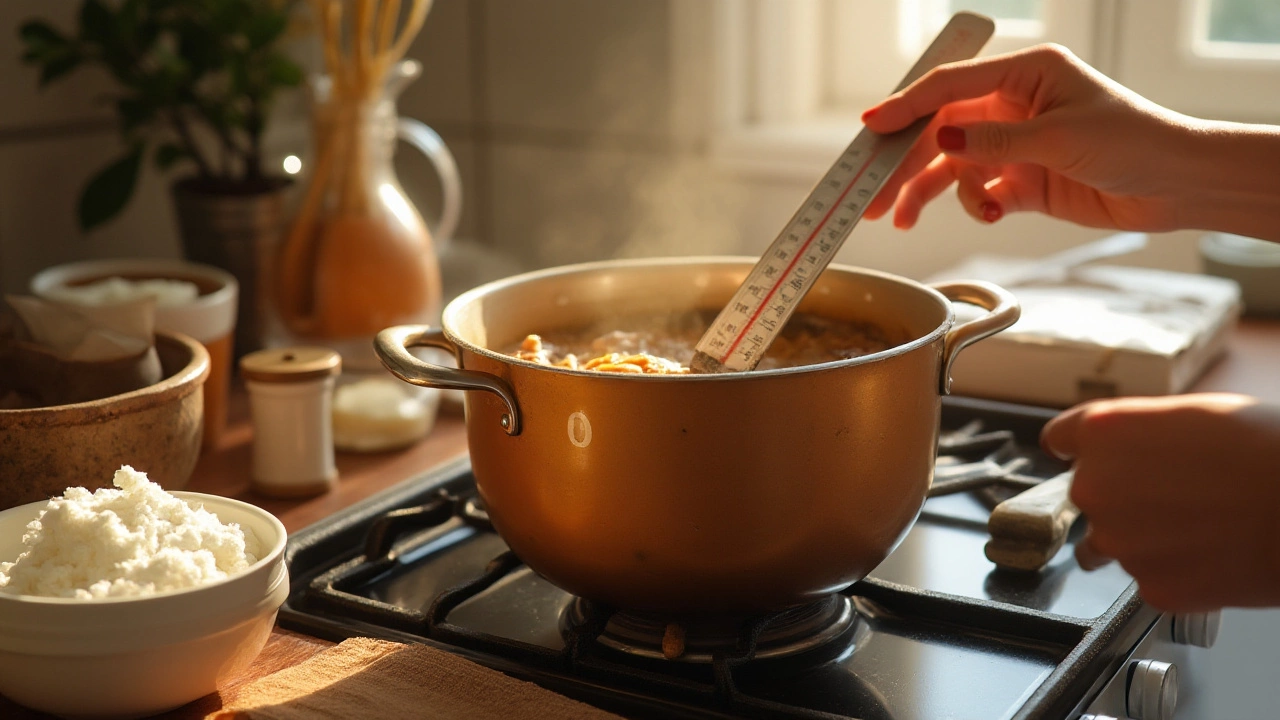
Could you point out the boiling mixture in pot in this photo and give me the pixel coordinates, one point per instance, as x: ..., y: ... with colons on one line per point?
x: 665, y: 346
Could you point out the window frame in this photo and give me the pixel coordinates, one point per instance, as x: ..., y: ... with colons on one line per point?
x: 764, y: 122
x: 1173, y: 74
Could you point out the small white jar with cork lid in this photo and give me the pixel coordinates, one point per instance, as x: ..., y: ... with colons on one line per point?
x: 290, y: 400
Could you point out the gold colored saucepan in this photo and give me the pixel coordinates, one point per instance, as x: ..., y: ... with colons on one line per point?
x: 686, y: 494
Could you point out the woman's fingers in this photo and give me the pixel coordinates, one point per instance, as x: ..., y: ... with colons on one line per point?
x: 1019, y: 76
x: 924, y: 152
x: 925, y: 186
x: 1037, y: 141
x: 1009, y: 151
x: 972, y: 192
x: 987, y: 193
x: 1061, y: 435
x: 1088, y: 554
x: 926, y: 148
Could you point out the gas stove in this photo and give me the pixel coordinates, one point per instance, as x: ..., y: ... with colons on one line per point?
x: 936, y: 631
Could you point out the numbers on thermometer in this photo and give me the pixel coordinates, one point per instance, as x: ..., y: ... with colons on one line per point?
x: 773, y: 288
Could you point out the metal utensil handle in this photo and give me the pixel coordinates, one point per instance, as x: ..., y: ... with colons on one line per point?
x: 788, y: 269
x: 1074, y: 257
x: 392, y: 346
x: 1028, y: 529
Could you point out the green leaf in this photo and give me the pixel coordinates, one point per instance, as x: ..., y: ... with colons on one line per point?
x: 109, y: 191
x: 282, y: 71
x: 38, y: 32
x: 135, y: 112
x: 42, y: 43
x: 261, y: 30
x: 97, y: 23
x: 168, y: 154
x: 198, y: 48
x: 56, y: 66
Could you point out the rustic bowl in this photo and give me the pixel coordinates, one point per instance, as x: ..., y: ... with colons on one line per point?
x: 209, y: 318
x: 156, y: 429
x: 136, y: 656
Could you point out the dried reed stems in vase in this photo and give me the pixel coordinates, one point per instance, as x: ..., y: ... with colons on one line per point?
x: 319, y: 292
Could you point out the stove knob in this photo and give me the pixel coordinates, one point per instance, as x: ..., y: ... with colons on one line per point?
x: 1153, y: 690
x: 1199, y: 629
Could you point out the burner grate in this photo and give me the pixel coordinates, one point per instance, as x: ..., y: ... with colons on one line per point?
x: 787, y: 633
x: 333, y: 591
x: 336, y: 566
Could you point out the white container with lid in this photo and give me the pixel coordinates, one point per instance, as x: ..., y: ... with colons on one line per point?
x: 290, y: 400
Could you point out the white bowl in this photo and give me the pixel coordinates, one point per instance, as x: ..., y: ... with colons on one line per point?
x: 1253, y: 264
x: 133, y: 657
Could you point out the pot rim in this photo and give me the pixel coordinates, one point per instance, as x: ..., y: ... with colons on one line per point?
x: 466, y: 298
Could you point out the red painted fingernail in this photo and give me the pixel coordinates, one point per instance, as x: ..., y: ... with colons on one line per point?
x: 869, y: 114
x: 951, y: 137
x: 991, y: 212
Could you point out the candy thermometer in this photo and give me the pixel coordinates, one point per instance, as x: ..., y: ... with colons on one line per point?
x: 788, y: 269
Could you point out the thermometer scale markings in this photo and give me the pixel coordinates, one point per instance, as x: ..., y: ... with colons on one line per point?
x: 798, y: 256
x: 721, y: 348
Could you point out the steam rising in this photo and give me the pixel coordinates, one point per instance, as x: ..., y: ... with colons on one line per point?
x: 637, y: 181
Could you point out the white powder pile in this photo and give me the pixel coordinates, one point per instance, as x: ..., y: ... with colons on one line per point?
x: 137, y: 540
x: 112, y: 290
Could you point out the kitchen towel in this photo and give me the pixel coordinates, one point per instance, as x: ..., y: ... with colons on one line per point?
x: 368, y: 678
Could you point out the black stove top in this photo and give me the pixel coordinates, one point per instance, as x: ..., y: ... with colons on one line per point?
x: 937, y: 631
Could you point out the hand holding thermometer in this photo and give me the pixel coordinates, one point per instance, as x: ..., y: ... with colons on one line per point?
x: 758, y: 311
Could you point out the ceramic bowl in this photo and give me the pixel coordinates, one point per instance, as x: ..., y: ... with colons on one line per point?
x: 1253, y: 264
x: 156, y: 429
x: 133, y: 657
x: 209, y: 318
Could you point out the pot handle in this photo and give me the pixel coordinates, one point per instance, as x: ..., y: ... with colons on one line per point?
x: 1002, y: 311
x: 392, y: 346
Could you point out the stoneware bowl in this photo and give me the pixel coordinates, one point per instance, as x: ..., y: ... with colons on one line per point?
x: 156, y: 429
x: 133, y: 657
x: 209, y: 318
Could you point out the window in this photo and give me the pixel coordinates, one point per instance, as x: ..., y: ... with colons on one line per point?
x: 799, y: 71
x: 861, y: 65
x: 1236, y: 29
x: 1211, y: 58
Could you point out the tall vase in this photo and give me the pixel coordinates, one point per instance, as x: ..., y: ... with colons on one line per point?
x: 358, y: 256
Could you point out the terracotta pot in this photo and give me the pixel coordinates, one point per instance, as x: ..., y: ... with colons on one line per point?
x: 686, y: 494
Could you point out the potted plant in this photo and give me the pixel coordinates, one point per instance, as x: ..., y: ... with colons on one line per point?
x: 195, y: 80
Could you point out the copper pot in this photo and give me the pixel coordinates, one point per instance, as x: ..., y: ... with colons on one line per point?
x: 686, y: 494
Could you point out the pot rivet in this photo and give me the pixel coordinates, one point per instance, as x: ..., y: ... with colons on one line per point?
x: 673, y: 641
x: 506, y: 421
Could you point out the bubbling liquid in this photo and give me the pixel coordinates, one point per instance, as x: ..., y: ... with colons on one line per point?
x: 654, y: 345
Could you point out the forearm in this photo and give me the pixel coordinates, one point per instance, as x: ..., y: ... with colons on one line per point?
x: 1231, y: 179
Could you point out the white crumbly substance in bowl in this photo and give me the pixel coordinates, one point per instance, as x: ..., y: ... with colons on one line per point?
x: 127, y: 542
x: 112, y: 290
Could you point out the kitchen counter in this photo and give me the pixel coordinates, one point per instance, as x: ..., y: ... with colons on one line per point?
x: 225, y: 471
x: 1252, y: 365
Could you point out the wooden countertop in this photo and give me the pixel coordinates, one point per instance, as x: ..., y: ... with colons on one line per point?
x: 1252, y: 366
x: 225, y: 471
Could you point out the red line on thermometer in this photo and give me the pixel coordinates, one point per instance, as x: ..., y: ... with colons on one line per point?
x: 799, y: 254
